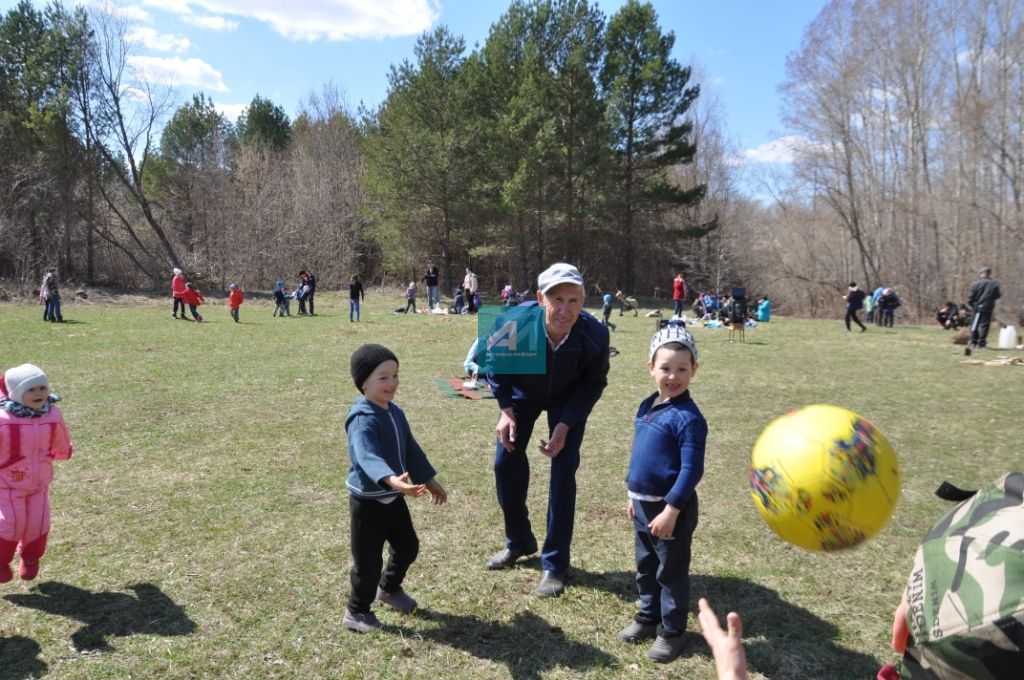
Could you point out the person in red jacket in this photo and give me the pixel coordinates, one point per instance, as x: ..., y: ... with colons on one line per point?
x: 235, y: 299
x: 177, y: 288
x: 678, y: 294
x: 193, y: 298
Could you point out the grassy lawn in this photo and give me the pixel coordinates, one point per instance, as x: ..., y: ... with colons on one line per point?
x: 201, y: 528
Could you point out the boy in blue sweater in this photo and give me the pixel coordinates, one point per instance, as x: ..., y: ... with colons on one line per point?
x: 386, y: 464
x: 665, y: 465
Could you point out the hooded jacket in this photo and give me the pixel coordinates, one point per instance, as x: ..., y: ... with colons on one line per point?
x: 380, y: 444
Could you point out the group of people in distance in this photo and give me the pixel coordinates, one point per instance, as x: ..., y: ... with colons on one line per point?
x: 186, y: 293
x: 880, y: 306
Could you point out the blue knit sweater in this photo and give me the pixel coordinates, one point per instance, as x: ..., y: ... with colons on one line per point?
x: 380, y: 444
x: 668, y: 449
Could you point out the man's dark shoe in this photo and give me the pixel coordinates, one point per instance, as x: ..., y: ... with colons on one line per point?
x: 666, y: 649
x: 507, y: 557
x: 638, y: 632
x: 552, y: 584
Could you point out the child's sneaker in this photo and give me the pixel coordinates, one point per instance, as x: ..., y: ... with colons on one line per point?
x: 28, y: 570
x: 398, y: 599
x: 360, y: 623
x: 638, y: 632
x: 5, y: 573
x: 666, y: 649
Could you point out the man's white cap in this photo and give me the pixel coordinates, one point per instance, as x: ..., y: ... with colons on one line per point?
x: 177, y: 272
x: 673, y: 333
x: 21, y: 379
x: 559, y: 273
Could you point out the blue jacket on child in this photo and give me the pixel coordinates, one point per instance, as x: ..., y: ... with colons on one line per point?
x: 667, y: 459
x: 380, y: 444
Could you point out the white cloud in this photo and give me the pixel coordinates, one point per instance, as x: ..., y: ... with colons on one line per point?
x: 780, y: 150
x: 161, y: 42
x: 128, y: 12
x: 175, y: 71
x: 315, y: 19
x: 210, y: 22
x: 231, y: 112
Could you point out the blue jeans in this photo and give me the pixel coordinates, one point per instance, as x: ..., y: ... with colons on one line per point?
x: 512, y: 477
x: 663, y: 566
x: 52, y: 310
x: 678, y: 311
x: 353, y: 309
x: 195, y: 314
x: 433, y: 296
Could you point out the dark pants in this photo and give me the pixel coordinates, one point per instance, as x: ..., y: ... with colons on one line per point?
x: 234, y: 314
x: 178, y: 302
x: 888, y: 317
x: 979, y: 327
x: 302, y: 306
x: 663, y: 567
x: 52, y: 310
x: 310, y: 297
x: 410, y: 305
x: 851, y: 314
x: 512, y: 477
x: 678, y: 309
x: 195, y: 313
x: 372, y: 524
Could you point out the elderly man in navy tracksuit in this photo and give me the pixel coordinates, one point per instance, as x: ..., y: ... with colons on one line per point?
x: 577, y: 372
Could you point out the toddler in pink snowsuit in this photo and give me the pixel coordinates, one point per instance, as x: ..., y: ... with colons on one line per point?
x: 32, y: 435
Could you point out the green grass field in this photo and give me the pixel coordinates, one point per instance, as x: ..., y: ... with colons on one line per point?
x: 201, y: 529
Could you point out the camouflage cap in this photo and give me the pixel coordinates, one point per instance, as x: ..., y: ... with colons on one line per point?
x: 966, y: 591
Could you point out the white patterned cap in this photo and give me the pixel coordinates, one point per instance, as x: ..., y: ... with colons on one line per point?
x: 673, y: 333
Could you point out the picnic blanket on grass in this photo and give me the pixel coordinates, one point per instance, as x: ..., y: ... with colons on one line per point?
x: 452, y: 387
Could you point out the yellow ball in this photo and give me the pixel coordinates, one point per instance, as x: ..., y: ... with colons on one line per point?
x: 824, y: 478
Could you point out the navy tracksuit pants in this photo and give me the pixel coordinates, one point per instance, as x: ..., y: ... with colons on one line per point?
x: 512, y: 477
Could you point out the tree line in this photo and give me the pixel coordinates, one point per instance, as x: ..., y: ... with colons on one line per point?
x: 568, y: 134
x: 561, y: 137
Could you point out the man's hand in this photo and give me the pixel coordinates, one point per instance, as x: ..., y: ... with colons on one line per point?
x: 554, y: 446
x: 401, y: 483
x: 629, y: 510
x: 507, y: 429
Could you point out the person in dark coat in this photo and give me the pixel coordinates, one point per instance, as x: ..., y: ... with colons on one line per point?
x: 854, y: 302
x: 982, y: 300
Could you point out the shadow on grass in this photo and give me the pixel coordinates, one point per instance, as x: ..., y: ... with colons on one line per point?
x: 109, y: 614
x: 790, y: 641
x: 18, y: 655
x: 783, y: 640
x: 528, y: 645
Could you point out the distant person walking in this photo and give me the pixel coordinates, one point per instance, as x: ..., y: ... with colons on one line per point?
x: 310, y: 292
x: 177, y: 288
x: 982, y: 300
x: 193, y: 298
x: 433, y: 292
x: 235, y: 299
x: 854, y: 301
x: 355, y: 294
x: 469, y: 287
x: 50, y: 292
x: 678, y: 294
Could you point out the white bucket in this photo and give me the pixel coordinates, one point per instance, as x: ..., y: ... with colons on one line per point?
x: 1007, y: 337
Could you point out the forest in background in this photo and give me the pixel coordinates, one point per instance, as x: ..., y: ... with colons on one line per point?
x: 567, y: 135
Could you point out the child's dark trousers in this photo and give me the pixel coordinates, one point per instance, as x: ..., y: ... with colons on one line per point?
x: 663, y: 567
x: 372, y: 524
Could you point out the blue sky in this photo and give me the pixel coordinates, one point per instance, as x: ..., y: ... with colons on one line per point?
x: 234, y: 49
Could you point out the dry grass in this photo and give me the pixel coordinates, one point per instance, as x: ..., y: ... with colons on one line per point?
x: 201, y: 528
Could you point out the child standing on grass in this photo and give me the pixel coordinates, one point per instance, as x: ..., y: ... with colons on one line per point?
x: 386, y: 464
x: 235, y: 299
x: 410, y: 297
x: 280, y: 300
x: 665, y: 465
x: 193, y: 298
x: 32, y: 435
x: 606, y: 310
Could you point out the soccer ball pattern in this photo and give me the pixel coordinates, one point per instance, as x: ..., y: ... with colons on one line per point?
x: 824, y: 478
